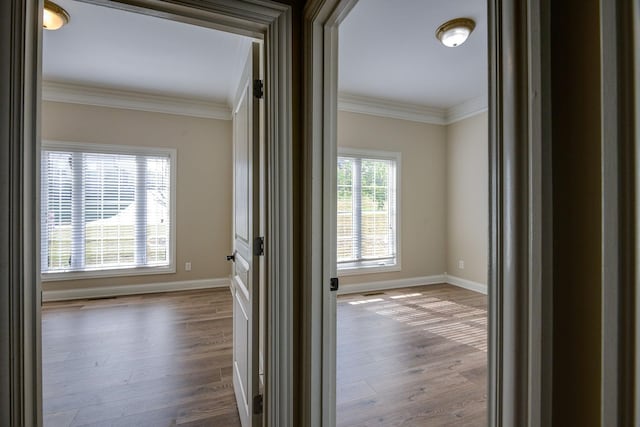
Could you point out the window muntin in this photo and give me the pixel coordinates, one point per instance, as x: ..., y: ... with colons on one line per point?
x: 105, y: 209
x: 367, y: 209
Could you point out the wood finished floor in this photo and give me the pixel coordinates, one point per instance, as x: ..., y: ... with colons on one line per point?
x: 414, y: 357
x: 408, y: 357
x: 151, y: 360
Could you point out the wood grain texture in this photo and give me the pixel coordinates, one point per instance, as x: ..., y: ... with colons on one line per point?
x: 412, y: 357
x: 407, y: 357
x: 149, y: 360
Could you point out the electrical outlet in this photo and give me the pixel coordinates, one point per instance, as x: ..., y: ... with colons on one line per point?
x: 187, y: 266
x: 461, y: 265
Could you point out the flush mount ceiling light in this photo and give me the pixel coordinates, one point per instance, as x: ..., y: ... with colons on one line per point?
x: 455, y: 32
x: 54, y: 17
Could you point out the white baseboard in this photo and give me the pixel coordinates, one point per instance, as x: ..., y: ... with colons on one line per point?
x: 357, y: 288
x: 466, y: 284
x: 146, y: 288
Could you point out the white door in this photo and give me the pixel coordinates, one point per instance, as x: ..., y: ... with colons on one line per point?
x: 246, y: 242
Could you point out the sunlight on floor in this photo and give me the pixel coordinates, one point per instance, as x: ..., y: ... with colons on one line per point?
x: 366, y: 301
x: 453, y: 321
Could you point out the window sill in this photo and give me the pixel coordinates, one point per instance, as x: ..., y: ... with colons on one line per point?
x: 372, y: 269
x: 116, y: 272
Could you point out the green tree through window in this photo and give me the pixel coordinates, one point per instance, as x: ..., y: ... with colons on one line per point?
x: 366, y: 211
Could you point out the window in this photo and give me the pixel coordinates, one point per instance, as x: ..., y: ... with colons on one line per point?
x: 367, y: 219
x: 106, y: 210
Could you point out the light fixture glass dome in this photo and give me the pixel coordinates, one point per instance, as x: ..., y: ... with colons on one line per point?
x: 455, y: 32
x: 54, y: 17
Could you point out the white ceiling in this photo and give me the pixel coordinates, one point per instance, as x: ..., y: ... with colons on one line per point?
x: 113, y: 49
x: 388, y: 50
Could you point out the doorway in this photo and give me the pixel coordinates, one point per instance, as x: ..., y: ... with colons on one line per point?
x: 143, y: 130
x: 412, y: 229
x: 266, y: 22
x: 518, y: 351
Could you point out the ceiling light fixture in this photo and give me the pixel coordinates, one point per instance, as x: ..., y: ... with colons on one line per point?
x: 455, y: 32
x: 54, y: 17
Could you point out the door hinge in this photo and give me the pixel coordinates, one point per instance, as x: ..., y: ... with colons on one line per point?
x: 258, y: 89
x: 258, y: 246
x: 334, y: 283
x: 257, y: 404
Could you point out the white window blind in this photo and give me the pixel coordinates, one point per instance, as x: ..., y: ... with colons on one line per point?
x: 367, y: 211
x: 105, y: 210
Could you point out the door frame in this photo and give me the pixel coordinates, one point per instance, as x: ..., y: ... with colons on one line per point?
x: 520, y: 232
x: 634, y: 16
x: 620, y: 251
x: 318, y: 379
x: 20, y: 290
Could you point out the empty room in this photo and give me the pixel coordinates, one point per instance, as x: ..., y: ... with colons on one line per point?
x: 146, y: 202
x: 412, y: 214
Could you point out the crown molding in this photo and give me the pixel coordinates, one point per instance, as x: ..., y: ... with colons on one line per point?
x: 395, y: 110
x: 101, y: 97
x: 468, y: 108
x: 412, y: 112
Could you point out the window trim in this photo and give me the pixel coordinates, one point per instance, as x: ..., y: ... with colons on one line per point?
x: 82, y: 147
x: 365, y: 267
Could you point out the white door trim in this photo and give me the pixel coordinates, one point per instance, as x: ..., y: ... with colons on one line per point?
x: 318, y: 354
x: 635, y: 260
x: 520, y: 274
x: 20, y: 81
x: 520, y: 290
x: 620, y: 210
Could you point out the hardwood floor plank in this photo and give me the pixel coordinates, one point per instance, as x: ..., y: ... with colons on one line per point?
x: 407, y: 357
x: 60, y: 419
x: 147, y: 360
x: 347, y: 392
x: 224, y: 420
x: 412, y: 357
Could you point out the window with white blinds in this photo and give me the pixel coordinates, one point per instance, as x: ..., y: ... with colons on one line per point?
x: 106, y: 208
x: 367, y: 217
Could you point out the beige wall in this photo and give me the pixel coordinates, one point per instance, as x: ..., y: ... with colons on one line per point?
x: 468, y: 198
x: 203, y: 203
x: 444, y: 195
x: 423, y: 188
